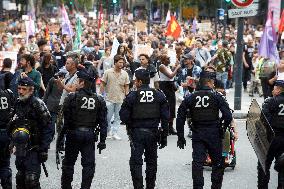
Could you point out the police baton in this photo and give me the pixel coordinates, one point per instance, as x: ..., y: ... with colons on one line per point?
x: 44, y: 169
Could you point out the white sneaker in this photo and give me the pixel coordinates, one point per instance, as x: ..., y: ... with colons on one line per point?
x: 109, y: 135
x: 116, y: 137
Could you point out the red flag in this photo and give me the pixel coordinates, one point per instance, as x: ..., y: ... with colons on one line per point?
x: 174, y: 28
x: 46, y: 33
x: 281, y: 24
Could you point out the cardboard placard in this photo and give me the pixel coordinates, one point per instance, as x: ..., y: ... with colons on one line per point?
x: 143, y: 49
x: 173, y: 56
x: 2, y: 27
x: 204, y: 27
x: 141, y: 26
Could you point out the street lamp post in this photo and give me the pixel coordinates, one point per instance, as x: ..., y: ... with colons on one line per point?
x: 149, y: 17
x: 1, y: 11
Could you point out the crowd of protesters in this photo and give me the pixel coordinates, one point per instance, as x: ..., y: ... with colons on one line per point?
x: 51, y: 63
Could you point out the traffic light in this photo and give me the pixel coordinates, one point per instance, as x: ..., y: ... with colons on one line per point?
x: 227, y: 1
x: 114, y: 1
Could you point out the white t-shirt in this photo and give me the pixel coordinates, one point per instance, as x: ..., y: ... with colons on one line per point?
x: 68, y: 80
x: 152, y: 80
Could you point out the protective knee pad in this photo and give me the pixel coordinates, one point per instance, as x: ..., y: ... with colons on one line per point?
x: 32, y: 181
x: 20, y: 179
x: 88, y: 174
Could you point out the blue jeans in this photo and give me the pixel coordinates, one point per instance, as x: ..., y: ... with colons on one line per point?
x: 222, y: 76
x: 113, y: 110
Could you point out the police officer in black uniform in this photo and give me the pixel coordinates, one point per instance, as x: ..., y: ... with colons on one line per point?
x: 32, y: 121
x: 6, y: 104
x: 142, y: 111
x: 273, y: 109
x: 203, y: 108
x: 83, y: 111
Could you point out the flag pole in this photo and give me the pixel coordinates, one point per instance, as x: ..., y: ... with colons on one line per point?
x: 104, y: 39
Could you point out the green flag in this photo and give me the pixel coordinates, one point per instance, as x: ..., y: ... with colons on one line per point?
x: 79, y: 31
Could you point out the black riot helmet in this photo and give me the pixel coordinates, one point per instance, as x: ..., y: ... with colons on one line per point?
x: 20, y: 139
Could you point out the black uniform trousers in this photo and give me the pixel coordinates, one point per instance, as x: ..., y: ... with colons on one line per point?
x: 144, y: 141
x: 207, y: 140
x: 266, y: 88
x: 5, y: 170
x: 275, y: 150
x: 29, y: 171
x: 83, y: 142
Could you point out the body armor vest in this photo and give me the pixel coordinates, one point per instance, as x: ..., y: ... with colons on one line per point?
x: 5, y: 108
x: 278, y: 117
x: 86, y: 110
x: 26, y: 117
x: 204, y: 108
x: 146, y: 105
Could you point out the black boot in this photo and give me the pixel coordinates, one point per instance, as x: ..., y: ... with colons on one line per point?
x: 172, y: 131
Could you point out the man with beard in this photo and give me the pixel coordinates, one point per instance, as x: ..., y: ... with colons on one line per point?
x: 31, y: 133
x: 27, y: 63
x: 115, y: 83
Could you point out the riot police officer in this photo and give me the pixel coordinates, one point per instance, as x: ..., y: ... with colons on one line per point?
x: 203, y: 108
x: 6, y: 104
x: 31, y: 132
x: 83, y: 111
x: 273, y: 109
x: 142, y: 111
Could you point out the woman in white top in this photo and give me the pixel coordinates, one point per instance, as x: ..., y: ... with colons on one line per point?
x: 280, y: 68
x: 106, y: 62
x: 167, y: 85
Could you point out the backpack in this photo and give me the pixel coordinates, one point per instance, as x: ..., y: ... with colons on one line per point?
x: 266, y: 67
x: 2, y: 81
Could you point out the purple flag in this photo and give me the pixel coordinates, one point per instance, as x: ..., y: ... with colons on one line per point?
x: 66, y: 26
x: 194, y: 25
x: 267, y: 47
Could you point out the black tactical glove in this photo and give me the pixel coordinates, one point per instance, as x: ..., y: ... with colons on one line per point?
x: 163, y: 142
x: 101, y: 146
x: 42, y: 156
x: 181, y: 143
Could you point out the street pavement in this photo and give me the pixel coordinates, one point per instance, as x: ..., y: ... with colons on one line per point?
x: 245, y: 103
x: 174, y: 167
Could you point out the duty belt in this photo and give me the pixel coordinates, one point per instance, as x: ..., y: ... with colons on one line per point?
x: 84, y: 129
x: 147, y: 130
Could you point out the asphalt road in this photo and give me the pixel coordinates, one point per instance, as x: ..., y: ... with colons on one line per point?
x: 174, y: 167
